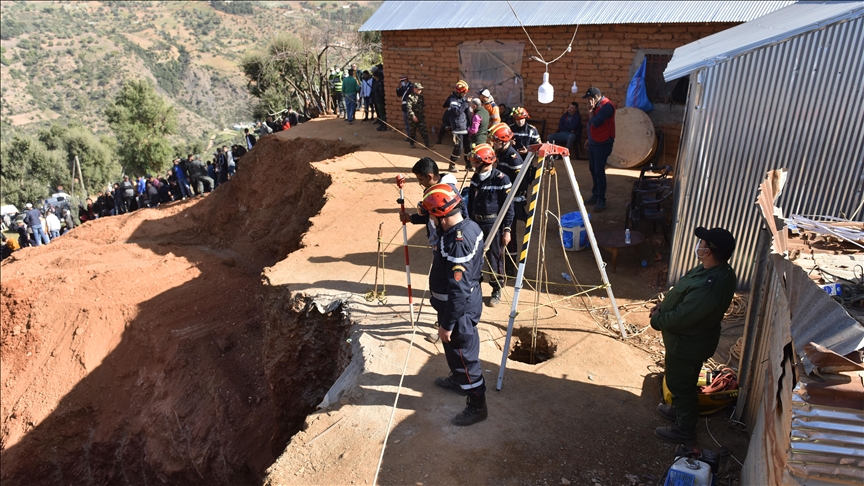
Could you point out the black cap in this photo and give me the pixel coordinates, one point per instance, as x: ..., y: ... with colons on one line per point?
x: 720, y: 241
x: 592, y: 92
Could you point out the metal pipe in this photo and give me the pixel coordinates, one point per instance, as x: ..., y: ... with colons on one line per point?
x: 400, y: 182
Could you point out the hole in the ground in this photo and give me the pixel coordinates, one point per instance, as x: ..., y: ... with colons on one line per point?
x: 530, y: 350
x: 178, y: 366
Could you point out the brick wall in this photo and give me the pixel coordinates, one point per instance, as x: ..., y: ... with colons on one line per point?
x: 602, y: 56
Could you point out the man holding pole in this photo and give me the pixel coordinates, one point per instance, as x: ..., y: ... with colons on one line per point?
x: 455, y: 286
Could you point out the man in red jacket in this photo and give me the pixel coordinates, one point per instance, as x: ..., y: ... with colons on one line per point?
x: 601, y: 136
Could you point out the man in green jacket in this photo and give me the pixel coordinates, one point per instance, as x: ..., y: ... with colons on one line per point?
x: 689, y: 318
x: 350, y: 90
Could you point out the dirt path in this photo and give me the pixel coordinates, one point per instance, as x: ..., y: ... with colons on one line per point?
x: 181, y: 345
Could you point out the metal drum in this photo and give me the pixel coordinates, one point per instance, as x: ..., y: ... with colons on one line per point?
x: 635, y: 140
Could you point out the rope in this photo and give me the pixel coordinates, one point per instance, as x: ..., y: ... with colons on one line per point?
x: 395, y: 403
x: 445, y: 158
x: 737, y: 348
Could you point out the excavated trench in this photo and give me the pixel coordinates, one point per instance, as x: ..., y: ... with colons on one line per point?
x: 197, y: 373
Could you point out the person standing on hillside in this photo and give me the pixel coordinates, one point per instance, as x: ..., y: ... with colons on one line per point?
x: 250, y: 139
x: 336, y: 90
x: 350, y: 90
x: 33, y: 219
x: 416, y: 113
x: 454, y: 282
x: 128, y: 193
x: 378, y: 99
x: 689, y: 318
x: 601, y: 137
x: 53, y: 224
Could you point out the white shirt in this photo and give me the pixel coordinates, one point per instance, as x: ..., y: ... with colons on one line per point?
x: 52, y: 222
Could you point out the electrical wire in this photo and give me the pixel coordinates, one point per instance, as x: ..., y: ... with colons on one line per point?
x: 720, y: 445
x: 540, y: 56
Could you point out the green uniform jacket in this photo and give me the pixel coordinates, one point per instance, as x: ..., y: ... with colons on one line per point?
x: 480, y: 136
x: 690, y: 314
x: 416, y: 105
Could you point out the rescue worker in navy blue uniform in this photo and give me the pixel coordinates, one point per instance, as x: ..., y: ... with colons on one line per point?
x: 489, y: 188
x: 601, y: 137
x: 426, y: 171
x: 510, y: 162
x: 454, y: 282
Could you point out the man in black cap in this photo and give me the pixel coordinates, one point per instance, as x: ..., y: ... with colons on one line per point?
x: 601, y: 136
x: 689, y: 318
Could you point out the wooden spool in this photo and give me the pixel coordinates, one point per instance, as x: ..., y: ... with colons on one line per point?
x: 635, y: 140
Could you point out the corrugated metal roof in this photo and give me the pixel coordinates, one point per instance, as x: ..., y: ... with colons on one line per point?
x: 773, y: 28
x: 828, y: 432
x: 400, y: 15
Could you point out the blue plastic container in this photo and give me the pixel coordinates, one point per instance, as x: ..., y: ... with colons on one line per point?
x: 572, y: 224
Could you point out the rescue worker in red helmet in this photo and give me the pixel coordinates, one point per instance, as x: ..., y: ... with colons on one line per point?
x: 459, y: 117
x: 524, y: 134
x: 454, y: 282
x: 510, y: 163
x: 489, y: 188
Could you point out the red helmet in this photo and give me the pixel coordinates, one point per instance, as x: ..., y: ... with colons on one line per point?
x: 484, y: 153
x: 519, y: 113
x: 501, y: 132
x: 461, y: 87
x: 441, y: 200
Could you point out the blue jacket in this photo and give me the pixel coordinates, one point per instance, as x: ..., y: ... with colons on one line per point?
x: 459, y: 113
x: 570, y: 123
x: 31, y: 218
x: 455, y: 276
x: 178, y: 173
x: 487, y: 197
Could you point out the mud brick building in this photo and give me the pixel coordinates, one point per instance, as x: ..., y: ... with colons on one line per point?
x: 438, y: 43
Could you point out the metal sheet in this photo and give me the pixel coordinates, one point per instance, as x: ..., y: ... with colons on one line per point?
x: 827, y: 441
x: 775, y: 27
x: 400, y: 15
x: 796, y: 105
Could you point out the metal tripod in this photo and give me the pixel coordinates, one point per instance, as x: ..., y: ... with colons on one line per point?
x: 542, y: 151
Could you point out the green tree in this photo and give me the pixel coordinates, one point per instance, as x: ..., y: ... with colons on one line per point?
x: 142, y: 121
x: 98, y: 162
x: 29, y: 170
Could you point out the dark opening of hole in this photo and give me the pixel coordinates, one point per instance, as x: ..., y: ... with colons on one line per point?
x: 543, y: 350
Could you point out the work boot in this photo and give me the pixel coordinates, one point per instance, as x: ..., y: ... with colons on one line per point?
x: 453, y: 167
x: 601, y: 205
x: 591, y: 200
x: 428, y: 144
x: 476, y: 411
x: 496, y: 298
x: 412, y: 145
x: 448, y: 383
x: 667, y: 412
x: 674, y: 434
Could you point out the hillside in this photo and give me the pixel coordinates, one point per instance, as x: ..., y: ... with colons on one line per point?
x: 68, y: 59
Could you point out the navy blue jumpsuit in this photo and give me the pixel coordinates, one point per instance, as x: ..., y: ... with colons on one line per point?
x: 455, y: 285
x: 486, y: 200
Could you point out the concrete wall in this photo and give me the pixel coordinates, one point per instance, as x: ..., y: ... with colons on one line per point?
x: 602, y: 56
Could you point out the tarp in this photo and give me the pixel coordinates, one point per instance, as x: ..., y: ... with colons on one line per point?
x: 637, y: 95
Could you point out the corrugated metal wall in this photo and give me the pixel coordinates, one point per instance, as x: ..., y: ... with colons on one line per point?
x: 798, y: 105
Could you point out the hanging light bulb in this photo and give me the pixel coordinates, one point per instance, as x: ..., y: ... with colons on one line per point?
x: 574, y: 89
x: 545, y: 93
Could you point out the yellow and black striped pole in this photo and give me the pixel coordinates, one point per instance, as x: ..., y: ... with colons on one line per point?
x: 526, y: 241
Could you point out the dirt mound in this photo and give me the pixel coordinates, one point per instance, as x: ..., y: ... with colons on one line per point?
x: 132, y: 348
